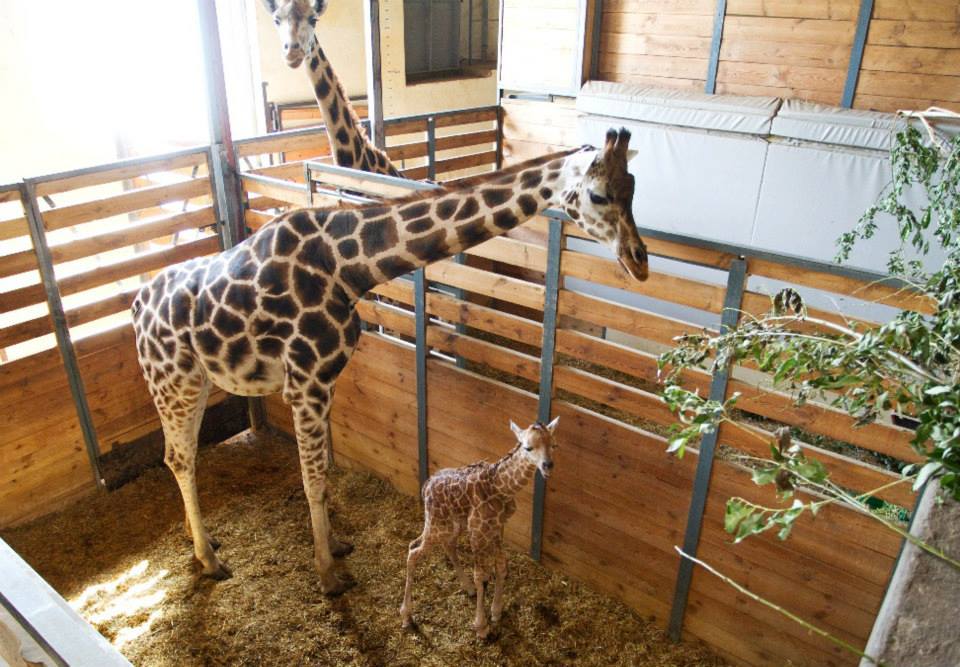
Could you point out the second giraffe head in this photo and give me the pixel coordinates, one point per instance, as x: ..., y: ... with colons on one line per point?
x: 536, y: 444
x: 295, y: 21
x: 600, y: 200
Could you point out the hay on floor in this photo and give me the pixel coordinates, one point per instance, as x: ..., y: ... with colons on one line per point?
x: 124, y: 561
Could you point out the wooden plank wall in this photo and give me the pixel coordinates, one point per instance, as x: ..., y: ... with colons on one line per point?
x: 533, y: 128
x: 104, y: 247
x: 789, y: 48
x: 617, y: 503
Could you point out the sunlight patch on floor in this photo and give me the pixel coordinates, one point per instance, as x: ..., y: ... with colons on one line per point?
x: 135, y: 594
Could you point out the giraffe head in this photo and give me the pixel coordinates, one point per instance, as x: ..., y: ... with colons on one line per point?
x: 600, y: 200
x: 536, y: 444
x: 295, y: 21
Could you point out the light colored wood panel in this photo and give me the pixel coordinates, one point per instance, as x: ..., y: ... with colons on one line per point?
x: 655, y: 45
x: 914, y: 60
x: 781, y: 76
x: 11, y: 229
x: 696, y: 7
x: 803, y: 31
x: 463, y: 162
x: 937, y: 34
x: 511, y: 251
x: 634, y: 321
x: 822, y: 96
x: 75, y: 316
x: 841, y: 285
x: 481, y: 282
x: 122, y: 172
x: 277, y: 191
x: 84, y: 247
x: 316, y: 143
x: 917, y: 10
x: 606, y: 272
x: 658, y: 24
x: 67, y: 216
x: 141, y: 264
x: 785, y: 53
x: 909, y: 85
x: 647, y: 65
x: 894, y: 104
x: 657, y: 81
x: 798, y: 9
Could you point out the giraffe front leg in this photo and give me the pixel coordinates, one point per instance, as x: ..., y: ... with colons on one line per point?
x: 310, y: 420
x: 480, y: 620
x: 496, y: 609
x: 450, y: 545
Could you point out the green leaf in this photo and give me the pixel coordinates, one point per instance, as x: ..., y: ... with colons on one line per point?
x: 764, y: 476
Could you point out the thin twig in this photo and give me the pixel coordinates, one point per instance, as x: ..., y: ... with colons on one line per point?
x: 793, y: 617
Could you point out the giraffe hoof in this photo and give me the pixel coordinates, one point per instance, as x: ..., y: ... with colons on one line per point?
x: 341, y: 549
x: 337, y: 588
x: 221, y: 573
x: 214, y: 543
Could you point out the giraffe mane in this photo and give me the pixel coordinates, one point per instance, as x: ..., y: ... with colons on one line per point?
x: 464, y: 184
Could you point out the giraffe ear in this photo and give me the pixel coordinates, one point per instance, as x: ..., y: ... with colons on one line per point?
x: 632, y: 153
x: 319, y: 6
x: 517, y: 431
x: 552, y: 426
x: 271, y: 5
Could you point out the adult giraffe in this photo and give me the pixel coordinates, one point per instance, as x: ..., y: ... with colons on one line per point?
x: 296, y: 21
x: 277, y: 312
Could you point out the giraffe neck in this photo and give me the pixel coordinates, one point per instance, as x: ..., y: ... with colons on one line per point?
x: 348, y: 141
x: 383, y: 240
x: 512, y: 472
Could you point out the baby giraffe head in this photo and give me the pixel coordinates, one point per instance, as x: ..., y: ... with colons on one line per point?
x: 537, y: 445
x: 600, y: 200
x: 295, y: 21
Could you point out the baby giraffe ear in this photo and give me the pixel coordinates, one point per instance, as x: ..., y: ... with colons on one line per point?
x: 517, y: 431
x: 632, y: 153
x: 271, y: 5
x: 552, y: 426
x: 319, y: 6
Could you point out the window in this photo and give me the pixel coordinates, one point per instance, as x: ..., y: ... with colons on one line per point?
x: 450, y: 38
x: 431, y: 36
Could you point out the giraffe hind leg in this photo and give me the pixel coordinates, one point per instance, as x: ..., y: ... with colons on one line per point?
x: 311, y: 408
x: 418, y: 548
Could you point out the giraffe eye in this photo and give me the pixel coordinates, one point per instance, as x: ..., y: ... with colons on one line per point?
x: 313, y: 21
x: 276, y: 21
x: 529, y: 449
x: 598, y: 200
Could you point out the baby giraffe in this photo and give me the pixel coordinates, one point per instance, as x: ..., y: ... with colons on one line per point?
x: 480, y: 498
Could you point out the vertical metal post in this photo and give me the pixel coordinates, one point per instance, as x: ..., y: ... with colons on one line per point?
x: 499, y: 136
x: 420, y: 324
x: 597, y: 33
x: 60, y: 328
x: 432, y: 148
x: 484, y: 37
x: 736, y: 283
x: 225, y: 180
x: 371, y: 26
x: 547, y: 352
x: 714, y: 62
x: 856, y: 53
x: 470, y: 31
